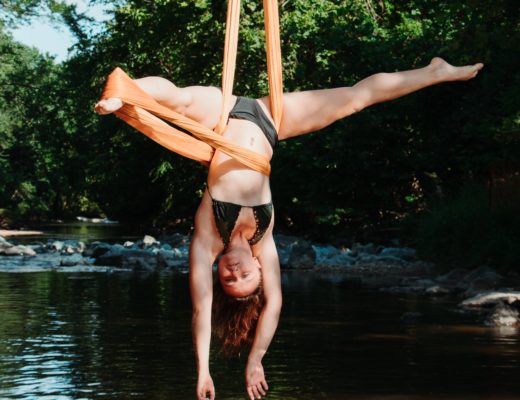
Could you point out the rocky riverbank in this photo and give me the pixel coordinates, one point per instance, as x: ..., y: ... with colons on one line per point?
x: 492, y: 298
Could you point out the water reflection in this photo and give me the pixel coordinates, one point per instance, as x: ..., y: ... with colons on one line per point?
x: 127, y: 336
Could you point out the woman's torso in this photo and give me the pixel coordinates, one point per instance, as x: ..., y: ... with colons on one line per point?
x: 231, y: 182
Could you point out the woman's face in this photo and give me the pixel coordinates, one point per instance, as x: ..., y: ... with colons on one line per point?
x: 239, y: 272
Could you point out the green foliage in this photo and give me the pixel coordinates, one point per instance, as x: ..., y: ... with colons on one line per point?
x: 367, y: 171
x: 13, y: 12
x: 468, y: 231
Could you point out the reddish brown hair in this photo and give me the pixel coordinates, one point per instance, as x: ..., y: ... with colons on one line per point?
x: 235, y: 318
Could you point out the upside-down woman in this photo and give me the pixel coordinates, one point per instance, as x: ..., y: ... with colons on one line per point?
x: 236, y: 215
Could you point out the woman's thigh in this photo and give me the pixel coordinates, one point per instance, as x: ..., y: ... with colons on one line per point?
x: 312, y: 110
x: 200, y: 103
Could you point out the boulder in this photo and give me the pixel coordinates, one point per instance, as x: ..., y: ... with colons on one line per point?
x: 453, y: 277
x: 74, y: 259
x: 284, y: 245
x: 437, y: 290
x: 56, y: 245
x: 332, y: 257
x: 404, y: 253
x: 369, y: 248
x: 502, y: 315
x: 478, y: 280
x: 140, y: 263
x: 302, y: 256
x: 488, y: 299
x: 175, y: 239
x: 4, y: 245
x: 19, y: 251
x: 171, y: 259
x: 97, y: 249
x: 149, y: 241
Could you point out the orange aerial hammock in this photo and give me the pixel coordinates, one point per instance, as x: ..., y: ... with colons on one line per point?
x: 142, y: 112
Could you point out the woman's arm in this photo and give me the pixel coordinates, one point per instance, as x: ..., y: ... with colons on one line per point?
x: 202, y: 255
x: 268, y: 321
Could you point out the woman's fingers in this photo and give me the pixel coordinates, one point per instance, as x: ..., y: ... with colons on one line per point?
x: 264, y: 384
x: 260, y: 389
x: 250, y: 393
x: 206, y: 394
x: 256, y: 391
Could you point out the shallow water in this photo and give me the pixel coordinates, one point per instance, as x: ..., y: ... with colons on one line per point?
x: 127, y: 336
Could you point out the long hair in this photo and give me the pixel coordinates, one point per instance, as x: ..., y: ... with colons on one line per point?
x: 235, y: 318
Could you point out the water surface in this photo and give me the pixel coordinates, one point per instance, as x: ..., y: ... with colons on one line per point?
x: 127, y: 336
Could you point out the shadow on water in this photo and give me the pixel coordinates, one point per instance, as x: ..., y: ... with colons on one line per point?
x: 127, y: 336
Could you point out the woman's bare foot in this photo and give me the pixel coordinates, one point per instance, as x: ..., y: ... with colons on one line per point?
x: 447, y: 72
x: 108, y: 106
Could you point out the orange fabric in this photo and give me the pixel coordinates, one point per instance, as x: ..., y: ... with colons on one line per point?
x: 274, y: 60
x: 143, y: 113
x: 230, y: 60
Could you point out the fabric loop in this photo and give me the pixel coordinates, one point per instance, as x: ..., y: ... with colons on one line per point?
x: 146, y: 115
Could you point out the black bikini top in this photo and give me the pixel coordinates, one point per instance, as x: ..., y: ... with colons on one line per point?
x: 226, y: 216
x: 250, y: 110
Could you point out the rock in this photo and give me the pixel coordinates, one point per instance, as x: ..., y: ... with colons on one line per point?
x: 332, y: 257
x: 68, y: 250
x: 128, y: 244
x: 405, y: 253
x: 73, y: 260
x: 149, y: 241
x: 437, y: 290
x: 502, y: 315
x: 302, y: 256
x: 97, y: 249
x: 140, y: 263
x: 113, y: 256
x: 38, y: 248
x: 478, y: 280
x: 338, y: 261
x: 488, y: 299
x: 56, y: 245
x: 19, y: 251
x: 452, y: 277
x: 324, y: 252
x: 171, y: 259
x: 284, y: 245
x: 175, y: 239
x: 369, y: 248
x: 4, y: 246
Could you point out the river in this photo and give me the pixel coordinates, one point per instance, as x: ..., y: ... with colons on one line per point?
x: 127, y: 336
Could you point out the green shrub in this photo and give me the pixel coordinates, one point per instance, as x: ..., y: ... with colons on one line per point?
x: 470, y: 230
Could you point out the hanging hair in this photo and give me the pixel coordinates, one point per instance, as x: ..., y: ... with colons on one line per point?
x: 235, y: 318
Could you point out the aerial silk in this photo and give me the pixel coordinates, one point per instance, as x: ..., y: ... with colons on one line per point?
x: 143, y: 113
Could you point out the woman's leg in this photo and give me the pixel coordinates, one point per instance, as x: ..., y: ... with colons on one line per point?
x: 200, y: 103
x: 312, y: 110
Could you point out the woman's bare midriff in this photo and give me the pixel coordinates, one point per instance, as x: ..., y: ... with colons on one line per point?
x: 229, y: 180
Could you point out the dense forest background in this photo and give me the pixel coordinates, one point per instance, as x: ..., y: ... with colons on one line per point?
x: 439, y: 168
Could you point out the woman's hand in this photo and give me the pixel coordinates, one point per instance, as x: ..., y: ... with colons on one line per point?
x: 205, y: 388
x: 255, y: 380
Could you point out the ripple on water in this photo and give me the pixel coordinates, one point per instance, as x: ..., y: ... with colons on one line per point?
x: 128, y: 337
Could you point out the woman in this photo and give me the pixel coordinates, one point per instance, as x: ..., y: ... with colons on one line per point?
x: 235, y: 218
